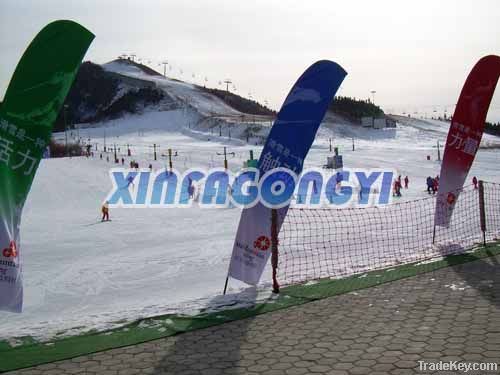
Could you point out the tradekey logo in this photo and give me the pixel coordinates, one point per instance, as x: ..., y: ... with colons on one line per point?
x: 221, y: 188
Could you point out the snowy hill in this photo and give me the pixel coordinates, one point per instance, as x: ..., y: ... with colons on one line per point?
x: 210, y: 111
x: 122, y: 87
x: 98, y: 95
x: 183, y: 92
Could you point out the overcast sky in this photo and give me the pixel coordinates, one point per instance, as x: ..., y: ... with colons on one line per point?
x: 416, y: 55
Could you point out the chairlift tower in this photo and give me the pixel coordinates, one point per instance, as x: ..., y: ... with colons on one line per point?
x: 164, y: 63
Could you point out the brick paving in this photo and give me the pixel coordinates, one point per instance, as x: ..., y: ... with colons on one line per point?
x: 447, y: 315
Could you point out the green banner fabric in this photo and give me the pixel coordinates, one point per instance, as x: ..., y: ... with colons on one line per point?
x: 30, y: 107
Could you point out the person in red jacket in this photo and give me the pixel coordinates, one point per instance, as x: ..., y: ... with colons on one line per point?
x: 397, y: 188
x: 435, y: 185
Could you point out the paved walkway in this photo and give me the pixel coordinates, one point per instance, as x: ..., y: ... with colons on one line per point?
x: 447, y: 315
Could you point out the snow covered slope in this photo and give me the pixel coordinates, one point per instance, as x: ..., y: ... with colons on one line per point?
x: 208, y: 113
x: 205, y: 103
x: 81, y: 274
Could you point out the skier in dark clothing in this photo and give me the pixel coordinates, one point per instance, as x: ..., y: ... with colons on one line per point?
x: 130, y: 181
x: 430, y: 184
x: 338, y: 178
x: 190, y: 188
x: 474, y: 181
x: 407, y: 181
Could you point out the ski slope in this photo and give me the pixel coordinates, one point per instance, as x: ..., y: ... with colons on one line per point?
x: 80, y: 274
x: 184, y: 92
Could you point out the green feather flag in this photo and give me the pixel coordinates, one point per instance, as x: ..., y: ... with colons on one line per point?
x: 29, y: 109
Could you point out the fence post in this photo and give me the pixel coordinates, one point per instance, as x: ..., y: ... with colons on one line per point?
x: 274, y: 248
x: 482, y: 212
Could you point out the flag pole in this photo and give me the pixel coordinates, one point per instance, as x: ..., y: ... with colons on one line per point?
x: 225, y: 285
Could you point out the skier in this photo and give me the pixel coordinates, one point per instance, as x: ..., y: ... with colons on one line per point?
x: 338, y: 179
x: 150, y: 167
x: 430, y: 184
x: 397, y: 188
x: 123, y: 161
x: 474, y: 181
x: 190, y: 188
x: 105, y: 211
x: 435, y: 184
x: 130, y: 181
x: 229, y: 195
x: 407, y: 181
